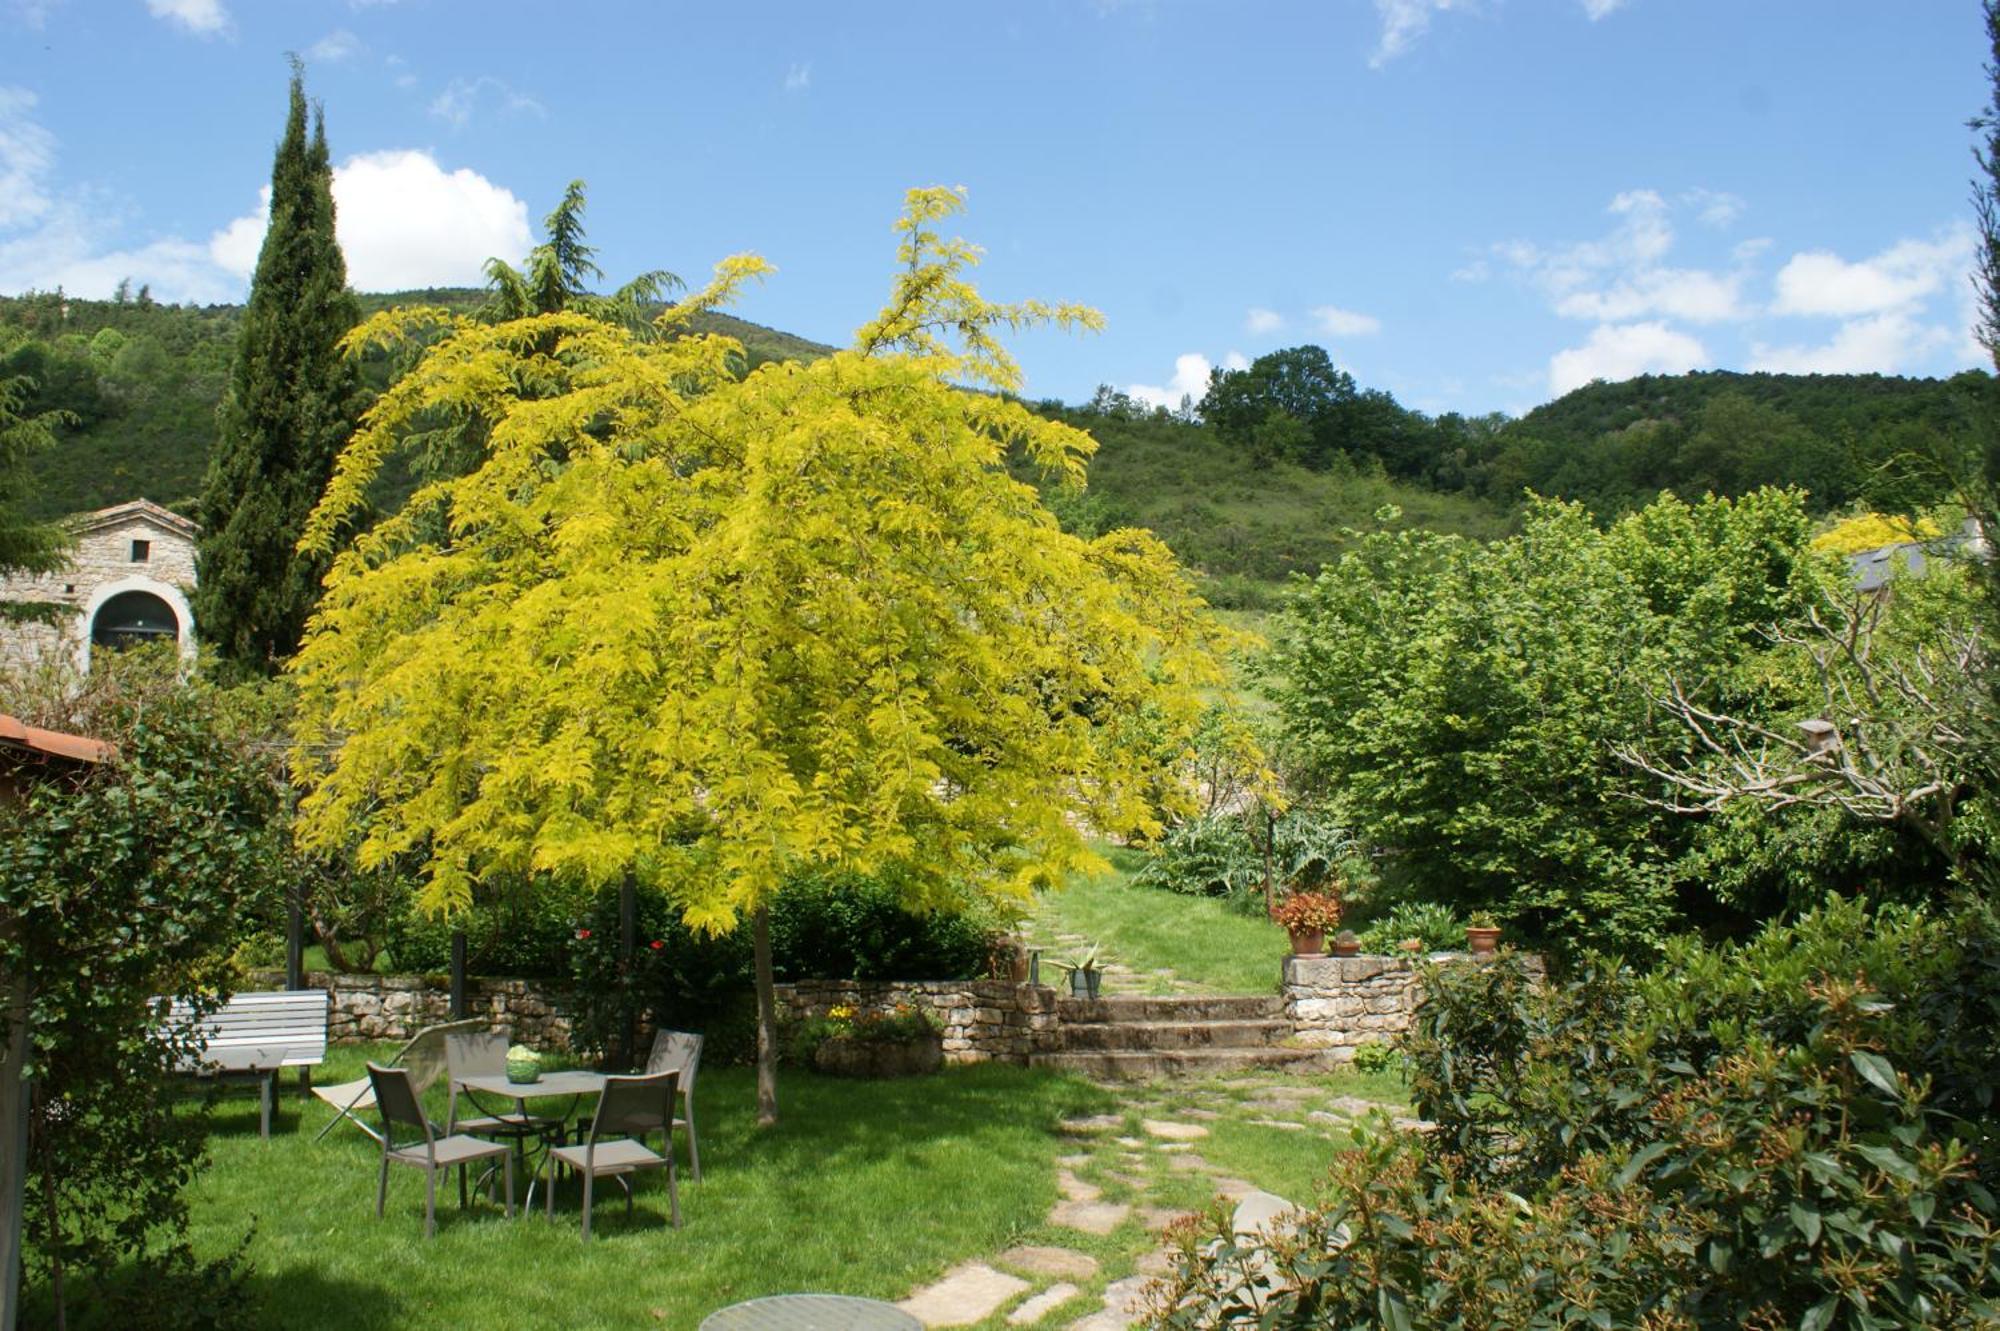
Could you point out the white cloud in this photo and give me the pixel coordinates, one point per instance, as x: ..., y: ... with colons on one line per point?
x: 1598, y: 9
x: 334, y: 47
x: 1258, y: 321
x: 799, y: 77
x: 1622, y: 276
x: 1235, y: 360
x: 404, y: 221
x: 1404, y: 21
x: 1190, y: 381
x: 1881, y: 343
x: 27, y: 152
x: 1716, y: 208
x: 462, y: 98
x: 1819, y: 282
x: 1620, y: 351
x: 1336, y: 322
x: 206, y: 17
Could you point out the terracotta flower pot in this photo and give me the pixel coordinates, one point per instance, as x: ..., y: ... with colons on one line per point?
x: 1481, y: 941
x: 1308, y: 942
x: 1349, y: 947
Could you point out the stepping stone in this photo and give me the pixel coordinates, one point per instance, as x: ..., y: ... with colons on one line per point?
x: 1075, y: 1189
x: 1158, y: 1219
x: 1174, y: 1132
x: 1128, y: 1141
x: 1090, y: 1217
x: 1278, y: 1123
x: 1158, y: 1262
x: 1089, y: 1126
x: 1321, y: 1116
x: 1072, y: 1161
x: 1201, y: 1113
x: 968, y: 1293
x: 1187, y: 1163
x: 1354, y: 1105
x: 1044, y: 1303
x: 1124, y: 1300
x: 1037, y: 1260
x: 1235, y: 1189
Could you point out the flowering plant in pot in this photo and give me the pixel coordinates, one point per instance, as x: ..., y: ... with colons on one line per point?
x: 1347, y: 943
x: 1482, y: 933
x: 847, y: 1042
x: 1307, y: 916
x: 1084, y: 975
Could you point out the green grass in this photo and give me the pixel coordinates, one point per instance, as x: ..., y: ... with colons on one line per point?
x: 1209, y: 947
x: 864, y: 1188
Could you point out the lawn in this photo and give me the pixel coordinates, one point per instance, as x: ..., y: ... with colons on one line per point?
x: 865, y: 1188
x: 870, y: 1188
x: 1208, y: 946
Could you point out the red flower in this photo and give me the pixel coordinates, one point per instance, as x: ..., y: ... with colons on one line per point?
x: 657, y: 945
x: 582, y: 934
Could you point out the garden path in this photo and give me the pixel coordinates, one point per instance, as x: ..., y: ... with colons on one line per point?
x: 1172, y: 1153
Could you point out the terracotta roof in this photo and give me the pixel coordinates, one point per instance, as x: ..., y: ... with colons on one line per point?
x: 15, y: 734
x: 142, y: 508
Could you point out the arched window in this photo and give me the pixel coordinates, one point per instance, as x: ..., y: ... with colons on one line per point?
x: 133, y: 617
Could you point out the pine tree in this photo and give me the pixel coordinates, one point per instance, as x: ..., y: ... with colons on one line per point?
x: 292, y: 402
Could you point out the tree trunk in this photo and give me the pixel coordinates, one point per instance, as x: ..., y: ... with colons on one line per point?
x: 767, y: 1023
x: 14, y: 1149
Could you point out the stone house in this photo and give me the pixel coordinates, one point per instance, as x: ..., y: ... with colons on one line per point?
x: 128, y: 581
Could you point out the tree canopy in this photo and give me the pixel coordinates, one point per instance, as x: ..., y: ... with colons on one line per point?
x: 291, y: 403
x: 714, y: 632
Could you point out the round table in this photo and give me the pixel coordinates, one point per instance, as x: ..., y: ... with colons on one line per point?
x: 811, y: 1312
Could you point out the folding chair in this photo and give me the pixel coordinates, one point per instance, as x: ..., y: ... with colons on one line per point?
x: 422, y: 1055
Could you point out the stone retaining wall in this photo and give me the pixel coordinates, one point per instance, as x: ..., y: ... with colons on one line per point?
x: 982, y: 1019
x: 396, y: 1007
x: 1339, y: 1004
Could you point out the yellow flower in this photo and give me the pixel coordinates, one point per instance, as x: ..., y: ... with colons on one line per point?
x: 840, y: 1012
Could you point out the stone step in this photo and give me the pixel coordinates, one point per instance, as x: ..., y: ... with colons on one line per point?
x: 1173, y: 1034
x: 1098, y: 1011
x: 1158, y: 1064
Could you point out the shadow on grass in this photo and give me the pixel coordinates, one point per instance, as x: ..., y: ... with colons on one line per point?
x: 148, y: 1296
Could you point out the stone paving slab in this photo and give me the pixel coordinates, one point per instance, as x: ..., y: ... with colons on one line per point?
x: 1090, y: 1217
x: 1075, y: 1189
x: 1186, y: 1162
x: 1044, y: 1303
x: 1073, y: 1161
x: 1168, y: 1130
x: 1235, y: 1189
x: 1124, y: 1300
x: 1158, y: 1262
x: 970, y: 1292
x: 1040, y: 1260
x: 1283, y: 1125
x: 1159, y: 1218
x: 1090, y: 1125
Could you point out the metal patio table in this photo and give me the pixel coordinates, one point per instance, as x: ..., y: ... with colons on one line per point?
x: 574, y: 1083
x: 811, y: 1312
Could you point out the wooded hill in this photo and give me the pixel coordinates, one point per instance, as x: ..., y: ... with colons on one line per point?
x: 1260, y: 482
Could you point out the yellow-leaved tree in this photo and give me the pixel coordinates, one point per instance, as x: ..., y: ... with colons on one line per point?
x: 715, y: 632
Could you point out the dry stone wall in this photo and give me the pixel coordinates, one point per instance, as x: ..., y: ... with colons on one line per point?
x: 1338, y: 1004
x: 396, y: 1007
x: 982, y: 1020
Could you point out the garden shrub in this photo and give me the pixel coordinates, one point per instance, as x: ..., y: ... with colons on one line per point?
x: 1222, y: 854
x: 1435, y: 925
x: 1795, y: 1132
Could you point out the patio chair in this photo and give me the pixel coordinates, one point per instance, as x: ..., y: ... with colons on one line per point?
x: 422, y: 1055
x: 629, y: 1110
x: 481, y: 1051
x: 680, y: 1051
x: 396, y: 1100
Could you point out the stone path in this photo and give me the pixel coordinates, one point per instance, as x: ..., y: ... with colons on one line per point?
x: 1118, y: 1194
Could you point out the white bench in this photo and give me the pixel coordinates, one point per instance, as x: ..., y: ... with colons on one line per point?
x: 253, y: 1036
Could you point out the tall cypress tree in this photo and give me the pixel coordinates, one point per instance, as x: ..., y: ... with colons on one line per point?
x: 291, y: 403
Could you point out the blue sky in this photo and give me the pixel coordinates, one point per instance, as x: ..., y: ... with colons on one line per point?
x: 1476, y: 204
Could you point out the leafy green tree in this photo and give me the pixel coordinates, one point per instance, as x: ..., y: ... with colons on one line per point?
x: 720, y: 633
x: 117, y: 888
x: 25, y: 546
x: 560, y: 272
x: 1461, y: 703
x: 291, y: 403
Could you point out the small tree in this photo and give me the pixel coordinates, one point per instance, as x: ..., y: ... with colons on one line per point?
x: 290, y: 405
x: 25, y: 547
x: 716, y: 633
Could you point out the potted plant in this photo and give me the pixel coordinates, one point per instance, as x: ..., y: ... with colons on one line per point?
x: 1482, y: 933
x: 904, y: 1042
x: 1307, y: 916
x: 1347, y: 943
x: 1084, y: 976
x: 524, y: 1065
x: 1411, y: 945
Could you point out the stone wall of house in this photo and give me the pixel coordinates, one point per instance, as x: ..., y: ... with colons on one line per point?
x: 982, y: 1019
x: 396, y: 1007
x: 1339, y: 1004
x: 102, y: 557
